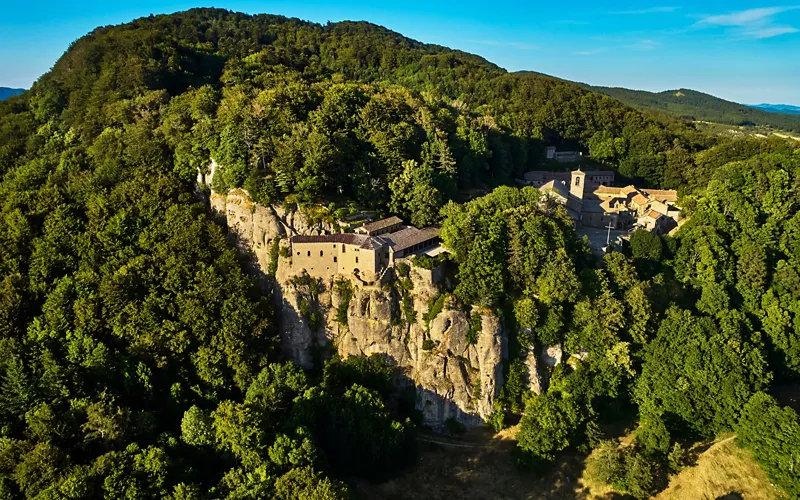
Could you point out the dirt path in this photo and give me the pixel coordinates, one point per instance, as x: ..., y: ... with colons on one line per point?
x: 718, y: 444
x: 426, y: 439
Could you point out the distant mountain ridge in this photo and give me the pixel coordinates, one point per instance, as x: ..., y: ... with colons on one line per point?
x: 786, y: 109
x: 694, y: 105
x: 6, y: 92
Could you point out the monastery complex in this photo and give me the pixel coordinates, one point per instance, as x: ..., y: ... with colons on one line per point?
x: 590, y: 197
x: 592, y: 200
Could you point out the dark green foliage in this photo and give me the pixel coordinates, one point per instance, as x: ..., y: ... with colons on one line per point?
x: 409, y: 313
x: 425, y: 262
x: 507, y: 238
x: 625, y: 468
x: 137, y: 358
x: 475, y: 327
x: 354, y: 429
x: 345, y: 290
x: 772, y: 434
x: 428, y: 345
x: 646, y: 245
x: 274, y: 249
x: 454, y: 427
x: 496, y: 421
x: 692, y: 357
x: 435, y: 306
x: 403, y: 269
x: 373, y: 372
x: 549, y: 425
x: 515, y: 386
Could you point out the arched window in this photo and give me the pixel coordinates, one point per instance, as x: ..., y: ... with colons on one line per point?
x: 309, y: 253
x: 320, y: 253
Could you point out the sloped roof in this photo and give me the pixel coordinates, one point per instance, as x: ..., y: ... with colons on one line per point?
x: 653, y: 214
x: 359, y: 240
x: 556, y: 186
x: 593, y: 206
x: 662, y: 194
x: 408, y: 237
x: 608, y: 191
x: 381, y: 224
x: 640, y: 199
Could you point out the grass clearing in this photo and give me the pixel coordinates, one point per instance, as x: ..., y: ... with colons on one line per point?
x: 482, y: 466
x: 722, y: 471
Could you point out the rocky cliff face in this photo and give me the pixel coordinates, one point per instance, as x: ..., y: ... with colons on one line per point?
x: 456, y: 368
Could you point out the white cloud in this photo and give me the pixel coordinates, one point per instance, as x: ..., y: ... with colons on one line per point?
x: 746, y: 17
x: 771, y: 31
x: 752, y: 23
x: 651, y: 10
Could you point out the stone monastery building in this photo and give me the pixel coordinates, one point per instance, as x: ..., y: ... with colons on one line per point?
x: 367, y: 254
x: 592, y: 200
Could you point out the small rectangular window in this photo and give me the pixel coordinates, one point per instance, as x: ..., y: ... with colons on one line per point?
x: 334, y: 258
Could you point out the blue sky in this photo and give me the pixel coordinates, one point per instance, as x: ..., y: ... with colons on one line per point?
x: 742, y: 51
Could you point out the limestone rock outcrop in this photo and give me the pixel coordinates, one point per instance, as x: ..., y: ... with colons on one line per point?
x: 458, y: 373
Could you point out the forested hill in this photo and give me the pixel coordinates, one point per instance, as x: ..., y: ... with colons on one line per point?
x: 694, y: 105
x: 328, y: 89
x: 138, y: 358
x: 6, y: 92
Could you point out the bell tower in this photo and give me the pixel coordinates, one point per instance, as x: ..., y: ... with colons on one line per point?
x: 577, y: 183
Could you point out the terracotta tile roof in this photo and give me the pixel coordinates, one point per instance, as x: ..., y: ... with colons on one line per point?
x: 408, y: 237
x: 608, y: 190
x: 359, y: 240
x: 640, y: 199
x: 662, y: 194
x: 383, y: 223
x: 603, y: 173
x: 653, y: 214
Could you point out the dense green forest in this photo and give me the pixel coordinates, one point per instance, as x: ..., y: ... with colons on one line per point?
x: 138, y: 357
x: 694, y: 105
